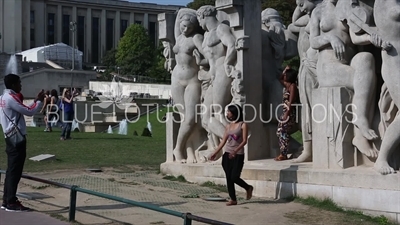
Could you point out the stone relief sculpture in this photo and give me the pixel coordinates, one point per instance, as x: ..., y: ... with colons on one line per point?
x: 328, y: 36
x: 169, y: 56
x: 278, y: 44
x: 220, y: 54
x: 387, y: 19
x: 307, y: 77
x: 185, y: 85
x: 341, y: 65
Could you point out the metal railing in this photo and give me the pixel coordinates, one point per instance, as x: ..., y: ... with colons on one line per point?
x: 187, y: 217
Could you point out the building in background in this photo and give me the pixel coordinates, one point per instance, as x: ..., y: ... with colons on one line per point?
x: 27, y: 24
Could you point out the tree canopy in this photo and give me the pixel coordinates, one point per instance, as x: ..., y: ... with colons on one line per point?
x: 196, y: 4
x: 135, y: 52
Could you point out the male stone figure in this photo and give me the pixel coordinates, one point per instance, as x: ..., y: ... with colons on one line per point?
x: 387, y: 19
x: 220, y: 53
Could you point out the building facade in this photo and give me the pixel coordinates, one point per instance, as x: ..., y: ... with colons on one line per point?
x: 26, y: 24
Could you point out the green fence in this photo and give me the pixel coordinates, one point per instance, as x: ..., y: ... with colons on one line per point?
x: 187, y: 217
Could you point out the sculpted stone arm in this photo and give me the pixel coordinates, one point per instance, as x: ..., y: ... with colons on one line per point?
x: 296, y: 14
x: 198, y: 52
x: 293, y: 28
x: 362, y: 39
x: 366, y: 39
x: 302, y: 21
x: 227, y: 39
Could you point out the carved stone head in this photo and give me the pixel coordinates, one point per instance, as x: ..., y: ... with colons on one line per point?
x: 307, y: 6
x: 270, y: 17
x: 188, y: 23
x: 205, y: 12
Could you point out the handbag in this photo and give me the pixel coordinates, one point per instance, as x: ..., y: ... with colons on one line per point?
x: 14, y: 136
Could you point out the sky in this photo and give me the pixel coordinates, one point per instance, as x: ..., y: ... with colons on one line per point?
x: 165, y: 2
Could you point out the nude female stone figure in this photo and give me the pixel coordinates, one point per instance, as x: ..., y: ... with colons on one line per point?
x: 387, y: 19
x: 307, y: 72
x: 339, y: 65
x: 220, y: 53
x: 185, y: 85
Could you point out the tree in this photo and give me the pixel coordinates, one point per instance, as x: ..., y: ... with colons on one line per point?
x: 158, y: 70
x: 135, y: 51
x: 109, y: 61
x: 196, y: 4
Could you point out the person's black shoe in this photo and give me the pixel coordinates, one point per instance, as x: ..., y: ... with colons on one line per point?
x: 4, y: 205
x: 17, y: 207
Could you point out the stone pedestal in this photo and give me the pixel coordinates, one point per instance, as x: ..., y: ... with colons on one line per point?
x: 245, y: 19
x: 332, y: 128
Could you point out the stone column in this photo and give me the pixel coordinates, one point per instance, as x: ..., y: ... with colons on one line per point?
x: 88, y: 35
x: 74, y: 18
x: 26, y: 25
x: 1, y: 26
x: 245, y: 19
x: 103, y: 34
x: 131, y: 18
x: 117, y: 28
x: 40, y: 23
x: 59, y: 24
x: 12, y: 26
x: 332, y: 128
x: 146, y: 21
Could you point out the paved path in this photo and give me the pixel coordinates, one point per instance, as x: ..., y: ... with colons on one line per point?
x: 25, y: 218
x: 150, y: 187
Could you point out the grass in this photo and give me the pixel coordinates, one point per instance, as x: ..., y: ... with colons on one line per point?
x: 218, y: 187
x: 180, y: 178
x: 329, y: 205
x: 96, y: 150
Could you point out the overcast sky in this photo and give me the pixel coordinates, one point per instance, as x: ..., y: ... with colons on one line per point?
x: 165, y: 2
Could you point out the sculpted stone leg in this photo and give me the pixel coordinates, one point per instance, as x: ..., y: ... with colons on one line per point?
x: 390, y: 143
x: 177, y: 91
x: 221, y: 98
x: 307, y: 82
x: 191, y: 98
x: 306, y: 155
x: 364, y: 91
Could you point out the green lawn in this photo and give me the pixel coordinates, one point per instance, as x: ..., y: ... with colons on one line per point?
x: 95, y: 150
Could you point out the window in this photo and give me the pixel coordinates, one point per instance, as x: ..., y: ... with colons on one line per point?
x: 124, y: 26
x: 109, y: 34
x: 95, y: 39
x: 152, y: 32
x: 65, y: 30
x: 81, y: 33
x: 50, y: 28
x: 32, y: 34
x: 138, y: 22
x: 32, y: 16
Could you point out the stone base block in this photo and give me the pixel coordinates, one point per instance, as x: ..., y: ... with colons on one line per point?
x: 358, y: 188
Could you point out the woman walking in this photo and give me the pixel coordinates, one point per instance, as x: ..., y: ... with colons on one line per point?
x: 288, y: 119
x: 235, y: 138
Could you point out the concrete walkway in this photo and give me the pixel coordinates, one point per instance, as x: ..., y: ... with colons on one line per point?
x: 150, y: 187
x: 31, y: 218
